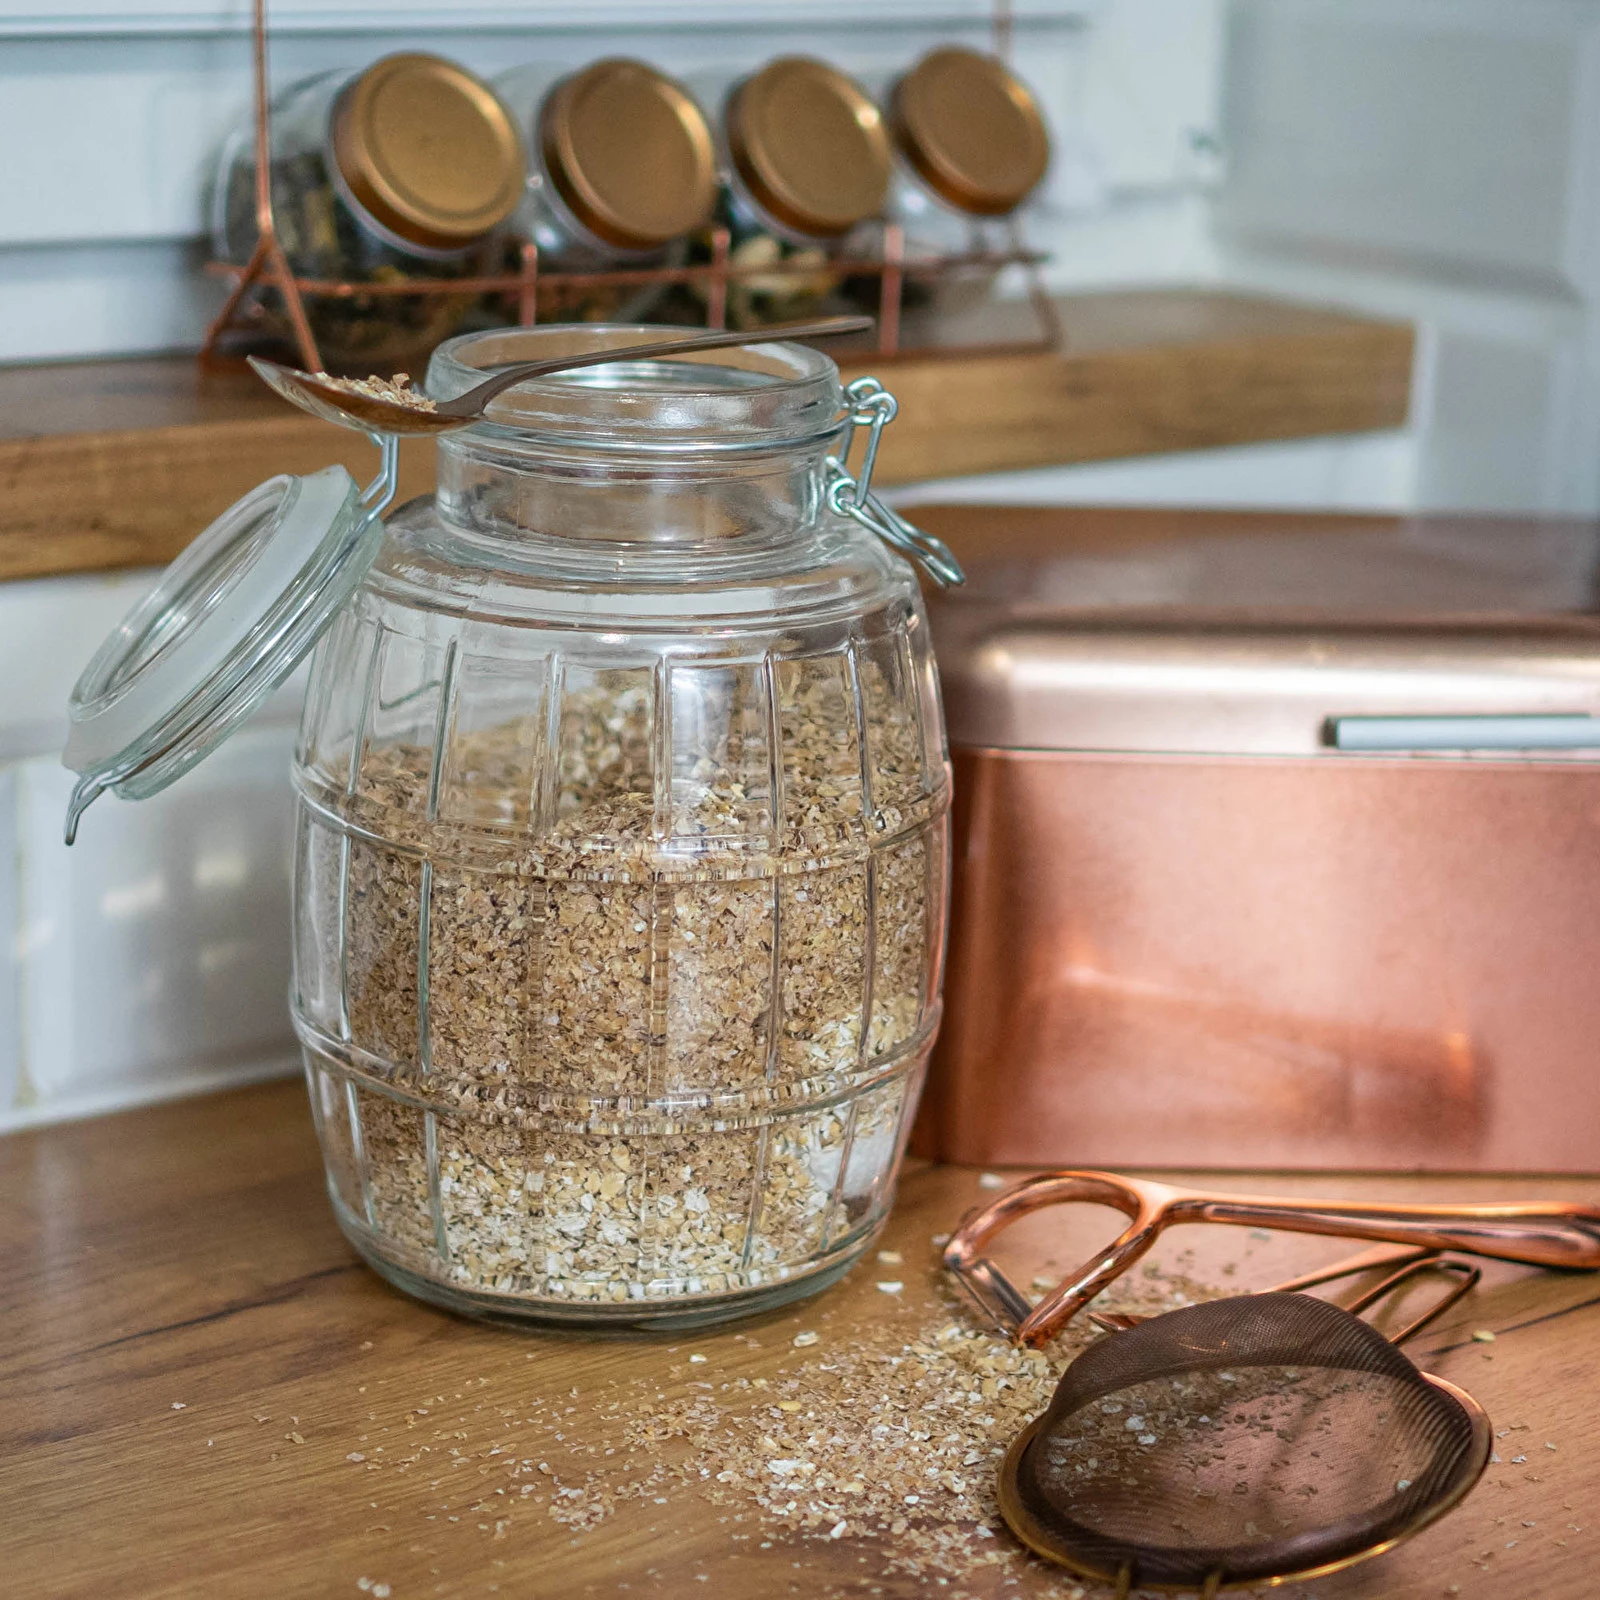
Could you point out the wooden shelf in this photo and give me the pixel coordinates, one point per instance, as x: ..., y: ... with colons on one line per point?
x: 205, y: 1394
x: 120, y: 463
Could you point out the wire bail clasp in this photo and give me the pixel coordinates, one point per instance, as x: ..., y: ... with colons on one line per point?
x: 873, y: 407
x: 378, y: 494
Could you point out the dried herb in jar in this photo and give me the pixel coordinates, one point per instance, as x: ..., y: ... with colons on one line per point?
x: 356, y: 201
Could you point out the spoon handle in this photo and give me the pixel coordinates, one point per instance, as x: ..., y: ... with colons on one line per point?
x: 472, y: 403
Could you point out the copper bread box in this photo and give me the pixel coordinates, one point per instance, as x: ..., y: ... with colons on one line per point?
x: 1277, y: 842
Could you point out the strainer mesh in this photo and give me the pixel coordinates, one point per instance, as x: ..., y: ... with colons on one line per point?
x: 1250, y: 1437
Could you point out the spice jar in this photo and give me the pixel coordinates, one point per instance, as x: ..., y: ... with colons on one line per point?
x: 403, y: 171
x: 805, y: 161
x: 970, y: 146
x: 622, y: 168
x: 621, y: 856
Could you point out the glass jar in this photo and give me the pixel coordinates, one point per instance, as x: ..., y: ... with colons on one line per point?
x: 403, y: 171
x: 622, y: 169
x: 805, y: 162
x: 621, y: 855
x: 970, y: 146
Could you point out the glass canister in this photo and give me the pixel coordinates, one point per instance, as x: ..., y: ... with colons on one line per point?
x: 405, y: 170
x: 971, y: 145
x: 621, y: 867
x: 622, y: 169
x: 805, y: 162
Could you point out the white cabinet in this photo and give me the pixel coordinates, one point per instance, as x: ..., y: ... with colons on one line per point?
x: 1453, y: 137
x: 1355, y: 472
x: 1437, y: 160
x: 153, y: 956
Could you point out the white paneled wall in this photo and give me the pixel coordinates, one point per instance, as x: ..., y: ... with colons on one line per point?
x: 1450, y: 136
x: 1357, y: 472
x: 1437, y: 160
x: 153, y: 956
x: 128, y: 18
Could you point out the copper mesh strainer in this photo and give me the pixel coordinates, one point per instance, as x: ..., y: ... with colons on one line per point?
x: 1244, y: 1441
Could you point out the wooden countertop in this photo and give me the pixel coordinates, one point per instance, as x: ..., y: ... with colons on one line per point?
x: 197, y: 1374
x: 120, y: 463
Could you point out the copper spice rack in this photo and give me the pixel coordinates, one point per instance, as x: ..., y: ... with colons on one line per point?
x: 268, y: 269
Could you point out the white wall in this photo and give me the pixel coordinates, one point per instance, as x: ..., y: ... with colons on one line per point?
x: 153, y: 957
x: 1354, y: 472
x: 1437, y: 160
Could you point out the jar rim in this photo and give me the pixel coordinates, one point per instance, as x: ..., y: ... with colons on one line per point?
x: 769, y: 396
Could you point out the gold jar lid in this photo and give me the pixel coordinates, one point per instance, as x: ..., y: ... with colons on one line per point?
x: 970, y: 131
x: 629, y: 151
x: 428, y: 149
x: 809, y: 145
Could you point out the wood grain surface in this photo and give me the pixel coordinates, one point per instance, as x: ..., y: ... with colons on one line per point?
x: 118, y: 464
x: 192, y: 1357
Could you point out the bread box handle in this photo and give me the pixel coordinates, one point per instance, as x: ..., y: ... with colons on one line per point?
x: 1561, y: 731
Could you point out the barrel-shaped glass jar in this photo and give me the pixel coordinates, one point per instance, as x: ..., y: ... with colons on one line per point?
x: 622, y: 857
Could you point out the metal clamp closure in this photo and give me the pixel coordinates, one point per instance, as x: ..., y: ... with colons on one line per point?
x: 872, y: 407
x: 377, y: 494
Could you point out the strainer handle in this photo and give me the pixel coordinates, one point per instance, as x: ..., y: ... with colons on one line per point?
x: 1464, y: 1272
x: 1002, y: 1301
x: 1540, y: 1234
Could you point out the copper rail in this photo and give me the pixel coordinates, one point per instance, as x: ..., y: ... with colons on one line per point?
x: 910, y: 267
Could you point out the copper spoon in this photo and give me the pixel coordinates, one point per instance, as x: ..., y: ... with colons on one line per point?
x: 336, y: 402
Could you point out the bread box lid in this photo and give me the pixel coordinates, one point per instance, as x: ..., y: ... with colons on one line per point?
x: 1245, y: 634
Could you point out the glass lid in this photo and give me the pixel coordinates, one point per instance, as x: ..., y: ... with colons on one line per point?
x: 228, y: 621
